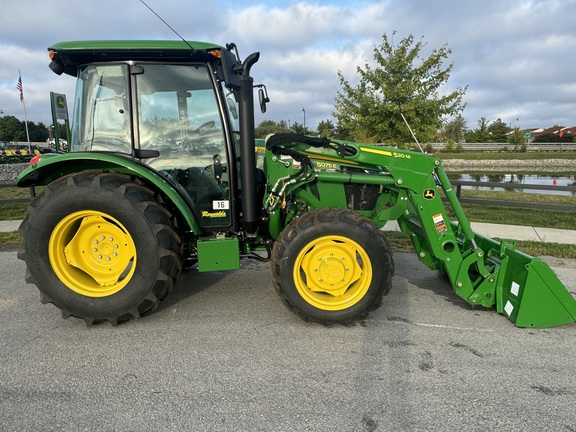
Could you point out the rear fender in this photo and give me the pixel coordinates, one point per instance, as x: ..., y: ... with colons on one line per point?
x: 50, y: 167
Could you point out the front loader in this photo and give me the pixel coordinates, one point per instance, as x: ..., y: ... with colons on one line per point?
x: 163, y: 172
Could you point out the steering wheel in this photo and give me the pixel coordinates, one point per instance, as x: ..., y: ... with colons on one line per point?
x: 208, y: 125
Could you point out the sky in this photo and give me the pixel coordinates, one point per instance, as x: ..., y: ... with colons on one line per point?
x: 517, y: 57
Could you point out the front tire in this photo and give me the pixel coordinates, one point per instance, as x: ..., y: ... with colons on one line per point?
x: 332, y: 266
x: 100, y: 247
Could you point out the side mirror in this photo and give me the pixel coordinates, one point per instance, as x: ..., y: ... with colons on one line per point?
x: 231, y: 68
x: 56, y: 67
x: 263, y: 97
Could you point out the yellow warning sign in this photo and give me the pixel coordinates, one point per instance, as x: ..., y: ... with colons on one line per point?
x: 439, y: 223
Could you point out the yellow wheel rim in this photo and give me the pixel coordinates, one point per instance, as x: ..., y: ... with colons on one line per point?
x: 332, y: 273
x: 92, y: 253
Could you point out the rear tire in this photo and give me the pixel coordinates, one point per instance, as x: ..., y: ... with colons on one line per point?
x: 332, y: 266
x: 100, y: 247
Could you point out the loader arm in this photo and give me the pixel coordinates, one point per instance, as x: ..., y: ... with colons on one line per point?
x: 483, y: 271
x: 414, y: 188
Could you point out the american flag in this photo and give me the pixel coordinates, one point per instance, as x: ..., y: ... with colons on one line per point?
x: 19, y: 87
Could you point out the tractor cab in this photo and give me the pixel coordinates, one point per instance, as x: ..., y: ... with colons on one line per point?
x: 178, y: 116
x: 169, y: 116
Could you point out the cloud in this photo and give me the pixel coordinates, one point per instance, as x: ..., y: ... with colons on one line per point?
x: 514, y: 55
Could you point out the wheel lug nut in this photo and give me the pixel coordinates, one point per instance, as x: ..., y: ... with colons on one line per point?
x: 99, y: 256
x: 102, y: 237
x: 94, y: 249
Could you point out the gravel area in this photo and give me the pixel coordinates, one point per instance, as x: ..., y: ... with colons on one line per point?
x: 9, y: 172
x: 536, y: 165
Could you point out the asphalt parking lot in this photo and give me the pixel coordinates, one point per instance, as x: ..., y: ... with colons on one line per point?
x: 223, y: 354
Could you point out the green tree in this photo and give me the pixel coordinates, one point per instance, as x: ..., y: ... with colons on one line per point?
x: 340, y: 132
x: 268, y: 127
x: 38, y: 132
x: 402, y: 83
x: 454, y: 129
x: 298, y: 128
x: 12, y: 129
x: 326, y: 128
x: 517, y: 139
x: 480, y: 134
x: 498, y: 130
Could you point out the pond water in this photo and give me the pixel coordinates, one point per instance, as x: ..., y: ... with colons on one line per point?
x: 532, y: 179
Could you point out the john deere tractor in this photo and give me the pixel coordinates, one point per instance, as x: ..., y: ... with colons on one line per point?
x: 163, y: 172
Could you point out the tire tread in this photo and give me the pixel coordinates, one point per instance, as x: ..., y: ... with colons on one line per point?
x: 326, y: 216
x: 145, y: 201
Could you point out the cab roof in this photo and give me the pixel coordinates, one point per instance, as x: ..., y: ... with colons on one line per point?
x: 73, y: 54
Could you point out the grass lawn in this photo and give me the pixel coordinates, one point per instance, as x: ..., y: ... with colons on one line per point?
x: 517, y: 216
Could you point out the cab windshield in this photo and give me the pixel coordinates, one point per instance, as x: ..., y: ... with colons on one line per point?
x: 177, y: 110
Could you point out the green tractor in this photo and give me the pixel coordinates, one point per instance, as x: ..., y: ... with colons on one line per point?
x: 163, y: 172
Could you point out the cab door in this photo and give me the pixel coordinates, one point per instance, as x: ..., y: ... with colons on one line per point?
x: 179, y: 116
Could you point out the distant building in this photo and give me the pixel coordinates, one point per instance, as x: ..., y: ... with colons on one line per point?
x: 555, y: 134
x: 560, y: 131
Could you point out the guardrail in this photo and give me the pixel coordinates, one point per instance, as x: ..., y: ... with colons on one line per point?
x: 499, y: 147
x: 565, y: 207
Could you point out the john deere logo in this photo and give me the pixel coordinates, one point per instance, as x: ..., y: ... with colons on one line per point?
x: 429, y: 194
x: 60, y: 102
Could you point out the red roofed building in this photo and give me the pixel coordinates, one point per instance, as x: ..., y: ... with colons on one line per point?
x: 553, y: 134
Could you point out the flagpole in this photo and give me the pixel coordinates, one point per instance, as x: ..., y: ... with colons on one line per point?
x: 25, y: 115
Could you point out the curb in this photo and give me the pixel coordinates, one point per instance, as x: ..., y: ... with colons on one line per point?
x: 513, y: 232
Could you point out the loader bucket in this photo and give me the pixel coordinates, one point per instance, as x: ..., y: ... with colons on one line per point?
x: 526, y: 289
x: 530, y: 294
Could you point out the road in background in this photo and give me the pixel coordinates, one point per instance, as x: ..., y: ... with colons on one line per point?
x: 223, y: 354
